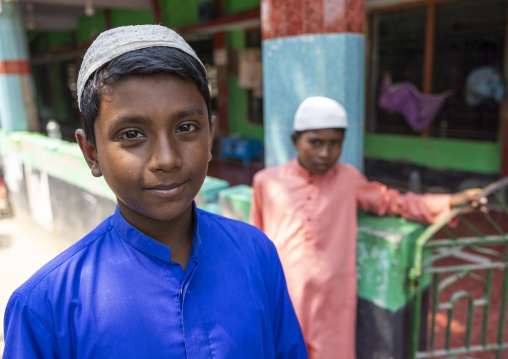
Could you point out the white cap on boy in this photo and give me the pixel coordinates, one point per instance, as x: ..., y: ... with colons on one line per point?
x: 120, y: 40
x: 319, y: 112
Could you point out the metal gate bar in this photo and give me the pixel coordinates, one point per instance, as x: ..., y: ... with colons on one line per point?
x: 490, y: 260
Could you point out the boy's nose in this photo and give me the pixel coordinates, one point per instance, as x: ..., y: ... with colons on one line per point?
x: 324, y: 151
x: 165, y: 155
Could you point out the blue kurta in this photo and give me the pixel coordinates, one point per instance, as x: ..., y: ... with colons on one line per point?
x: 116, y: 294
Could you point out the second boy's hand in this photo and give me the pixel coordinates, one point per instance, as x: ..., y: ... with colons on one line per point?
x: 470, y: 196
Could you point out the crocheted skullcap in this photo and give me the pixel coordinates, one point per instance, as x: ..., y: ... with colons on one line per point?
x: 120, y: 40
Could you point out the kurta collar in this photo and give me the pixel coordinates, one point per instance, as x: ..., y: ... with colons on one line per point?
x: 302, y: 171
x: 148, y: 245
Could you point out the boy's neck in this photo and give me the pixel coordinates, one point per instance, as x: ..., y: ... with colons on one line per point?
x: 177, y: 234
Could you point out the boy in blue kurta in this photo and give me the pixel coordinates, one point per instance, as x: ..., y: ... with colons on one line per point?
x: 159, y: 278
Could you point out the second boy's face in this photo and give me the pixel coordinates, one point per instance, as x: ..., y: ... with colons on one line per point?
x: 153, y: 146
x: 319, y: 150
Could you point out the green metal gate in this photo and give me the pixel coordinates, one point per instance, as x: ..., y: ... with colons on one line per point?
x: 459, y: 283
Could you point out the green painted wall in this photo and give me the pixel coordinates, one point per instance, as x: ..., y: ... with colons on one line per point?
x: 234, y: 6
x: 89, y: 27
x: 237, y: 104
x: 41, y: 41
x: 384, y: 254
x: 460, y: 155
x: 32, y: 36
x: 130, y: 17
x: 178, y: 13
x: 60, y: 38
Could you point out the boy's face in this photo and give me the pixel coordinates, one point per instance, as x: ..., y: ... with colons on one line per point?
x: 153, y: 146
x: 319, y: 150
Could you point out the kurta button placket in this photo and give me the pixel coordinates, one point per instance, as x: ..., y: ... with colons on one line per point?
x: 309, y: 206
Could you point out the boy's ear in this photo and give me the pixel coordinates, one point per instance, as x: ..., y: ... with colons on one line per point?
x: 89, y: 152
x: 294, y: 139
x: 210, y: 139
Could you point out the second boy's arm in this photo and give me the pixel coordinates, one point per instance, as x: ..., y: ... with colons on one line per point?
x: 374, y: 197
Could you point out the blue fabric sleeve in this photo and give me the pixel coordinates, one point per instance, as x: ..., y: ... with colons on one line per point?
x: 25, y: 335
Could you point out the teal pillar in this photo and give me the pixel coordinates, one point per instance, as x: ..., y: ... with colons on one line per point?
x: 17, y: 106
x: 312, y: 48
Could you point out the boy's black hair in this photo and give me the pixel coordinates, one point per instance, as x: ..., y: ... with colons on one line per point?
x: 299, y: 133
x: 149, y: 61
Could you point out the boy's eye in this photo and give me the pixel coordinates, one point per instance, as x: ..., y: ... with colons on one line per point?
x: 316, y: 143
x: 186, y: 128
x: 130, y: 135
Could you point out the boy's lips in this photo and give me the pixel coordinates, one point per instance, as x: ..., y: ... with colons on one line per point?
x: 322, y: 166
x: 169, y: 190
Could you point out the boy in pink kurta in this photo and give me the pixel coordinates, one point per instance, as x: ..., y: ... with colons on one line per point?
x: 308, y: 208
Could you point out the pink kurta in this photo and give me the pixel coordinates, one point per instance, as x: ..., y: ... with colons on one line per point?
x: 312, y: 221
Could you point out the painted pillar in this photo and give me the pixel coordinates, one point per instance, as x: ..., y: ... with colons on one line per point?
x: 17, y: 105
x: 312, y: 48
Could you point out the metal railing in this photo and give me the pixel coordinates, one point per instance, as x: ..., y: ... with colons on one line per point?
x: 458, y: 268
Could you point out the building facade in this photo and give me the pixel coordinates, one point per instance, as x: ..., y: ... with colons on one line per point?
x: 435, y: 49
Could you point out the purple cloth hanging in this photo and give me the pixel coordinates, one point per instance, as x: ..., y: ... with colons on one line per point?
x: 418, y: 109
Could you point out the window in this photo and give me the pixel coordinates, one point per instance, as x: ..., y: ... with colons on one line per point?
x: 438, y: 48
x: 203, y: 46
x: 55, y: 82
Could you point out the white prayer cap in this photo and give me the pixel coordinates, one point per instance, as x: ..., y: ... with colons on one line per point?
x: 120, y: 40
x: 318, y: 112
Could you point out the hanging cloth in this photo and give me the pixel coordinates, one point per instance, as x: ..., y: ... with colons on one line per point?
x: 418, y: 109
x: 483, y: 83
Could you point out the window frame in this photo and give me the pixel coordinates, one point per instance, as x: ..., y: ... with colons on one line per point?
x: 372, y: 68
